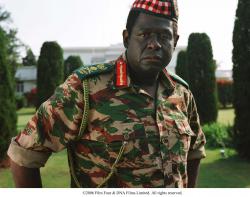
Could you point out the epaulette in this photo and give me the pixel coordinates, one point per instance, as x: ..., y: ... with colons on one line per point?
x: 178, y: 79
x: 93, y: 70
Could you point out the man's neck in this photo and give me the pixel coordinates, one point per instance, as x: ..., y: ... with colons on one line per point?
x: 146, y: 82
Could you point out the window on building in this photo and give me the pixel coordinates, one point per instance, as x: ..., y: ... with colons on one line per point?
x: 19, y: 87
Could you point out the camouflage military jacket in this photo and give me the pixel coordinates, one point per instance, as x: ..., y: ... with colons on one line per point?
x: 156, y: 138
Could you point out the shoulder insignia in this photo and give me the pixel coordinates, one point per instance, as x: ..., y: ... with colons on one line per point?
x: 93, y: 70
x: 178, y: 79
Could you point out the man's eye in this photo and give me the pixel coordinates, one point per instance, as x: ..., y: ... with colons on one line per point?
x: 165, y: 36
x: 143, y: 35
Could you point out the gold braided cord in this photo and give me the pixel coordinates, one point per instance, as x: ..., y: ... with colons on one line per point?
x: 82, y: 129
x: 86, y: 108
x: 113, y: 168
x: 71, y: 166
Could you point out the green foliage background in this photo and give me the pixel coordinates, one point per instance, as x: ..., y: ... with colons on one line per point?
x: 71, y: 64
x: 50, y: 71
x: 29, y: 59
x: 8, y: 116
x: 181, y: 68
x: 241, y: 76
x: 202, y: 83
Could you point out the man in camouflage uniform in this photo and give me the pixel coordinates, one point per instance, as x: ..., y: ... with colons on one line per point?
x: 140, y: 126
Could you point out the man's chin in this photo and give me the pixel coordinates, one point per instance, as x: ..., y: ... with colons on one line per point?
x: 151, y: 71
x: 153, y: 66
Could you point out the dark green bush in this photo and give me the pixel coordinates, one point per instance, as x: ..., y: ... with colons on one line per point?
x: 218, y: 135
x: 201, y: 67
x: 8, y: 117
x: 241, y: 77
x: 71, y: 64
x: 225, y: 92
x: 50, y: 71
x: 20, y: 101
x: 181, y: 68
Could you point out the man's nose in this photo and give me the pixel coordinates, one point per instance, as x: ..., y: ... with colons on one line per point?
x: 153, y: 43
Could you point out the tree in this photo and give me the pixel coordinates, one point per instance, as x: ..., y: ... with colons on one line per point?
x: 9, y: 45
x: 4, y: 15
x: 181, y: 68
x: 225, y: 92
x: 29, y: 59
x: 71, y: 64
x: 241, y: 77
x: 202, y: 81
x: 8, y: 116
x: 12, y: 42
x: 50, y: 71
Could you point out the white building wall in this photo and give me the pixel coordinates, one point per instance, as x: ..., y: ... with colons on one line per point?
x: 25, y: 78
x: 114, y: 51
x: 93, y: 55
x: 28, y: 86
x: 87, y: 54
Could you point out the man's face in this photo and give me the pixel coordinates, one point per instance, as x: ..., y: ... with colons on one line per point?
x: 150, y: 45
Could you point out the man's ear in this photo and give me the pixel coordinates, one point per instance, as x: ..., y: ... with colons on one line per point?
x: 125, y: 38
x: 176, y: 40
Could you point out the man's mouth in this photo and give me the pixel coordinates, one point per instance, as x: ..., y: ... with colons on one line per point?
x: 154, y: 58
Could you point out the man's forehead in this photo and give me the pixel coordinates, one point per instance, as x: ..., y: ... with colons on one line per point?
x: 148, y: 22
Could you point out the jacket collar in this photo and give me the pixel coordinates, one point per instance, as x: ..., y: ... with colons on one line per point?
x: 122, y: 79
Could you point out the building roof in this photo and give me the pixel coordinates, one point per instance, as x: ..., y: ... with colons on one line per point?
x: 26, y: 73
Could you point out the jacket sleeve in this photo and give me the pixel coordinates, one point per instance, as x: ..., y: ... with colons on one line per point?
x: 197, y: 149
x: 55, y: 123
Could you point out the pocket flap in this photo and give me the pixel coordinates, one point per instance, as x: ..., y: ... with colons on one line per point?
x: 116, y: 132
x: 184, y: 127
x: 128, y: 132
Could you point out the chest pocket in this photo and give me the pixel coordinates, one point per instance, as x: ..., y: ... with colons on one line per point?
x: 111, y: 138
x: 177, y: 141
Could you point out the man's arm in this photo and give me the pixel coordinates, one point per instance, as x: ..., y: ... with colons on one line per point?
x: 56, y: 122
x: 26, y: 177
x: 192, y: 171
x: 197, y: 148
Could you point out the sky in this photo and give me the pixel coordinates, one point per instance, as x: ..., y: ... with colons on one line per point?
x: 82, y: 23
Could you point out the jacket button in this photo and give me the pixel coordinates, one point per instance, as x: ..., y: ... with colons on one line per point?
x: 137, y: 179
x: 126, y: 136
x: 164, y: 140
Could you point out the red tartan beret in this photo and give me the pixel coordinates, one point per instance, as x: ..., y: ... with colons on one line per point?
x: 163, y: 8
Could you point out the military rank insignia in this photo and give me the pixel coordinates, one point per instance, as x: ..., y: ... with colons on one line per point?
x: 121, y: 73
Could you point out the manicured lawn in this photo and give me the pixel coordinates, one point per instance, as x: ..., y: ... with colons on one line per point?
x: 24, y: 115
x: 54, y: 174
x: 215, y: 172
x: 218, y: 172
